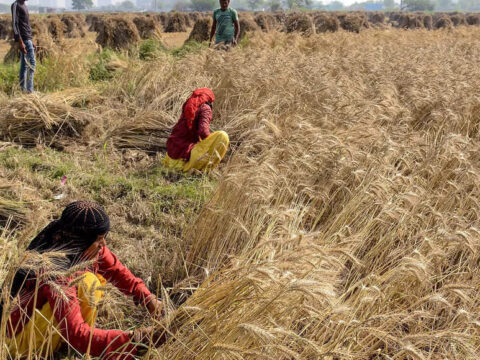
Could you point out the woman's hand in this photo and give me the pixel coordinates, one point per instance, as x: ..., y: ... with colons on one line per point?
x: 155, y: 307
x: 148, y: 336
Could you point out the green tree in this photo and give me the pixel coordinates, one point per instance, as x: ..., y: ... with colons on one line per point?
x: 204, y: 5
x: 255, y: 4
x: 419, y: 5
x: 126, y: 6
x: 274, y: 5
x: 82, y: 4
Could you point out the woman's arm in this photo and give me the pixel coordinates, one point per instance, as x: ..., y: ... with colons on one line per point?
x: 116, y: 273
x: 204, y: 118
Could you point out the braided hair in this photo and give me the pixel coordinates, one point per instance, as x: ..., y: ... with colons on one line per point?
x: 77, y: 229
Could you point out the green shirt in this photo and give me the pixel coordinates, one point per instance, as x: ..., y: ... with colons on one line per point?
x: 225, y: 28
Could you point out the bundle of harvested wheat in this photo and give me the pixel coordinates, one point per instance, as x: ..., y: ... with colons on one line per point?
x: 39, y: 26
x: 299, y: 22
x: 147, y: 27
x: 148, y: 131
x: 56, y: 28
x: 96, y: 23
x: 410, y: 21
x: 247, y: 25
x: 118, y: 33
x: 267, y: 22
x: 444, y: 22
x: 458, y: 19
x: 162, y: 18
x: 376, y: 17
x: 325, y: 22
x: 73, y: 27
x: 6, y: 31
x: 13, y: 53
x: 201, y: 30
x: 12, y: 212
x: 428, y: 21
x: 31, y: 120
x: 473, y: 19
x: 354, y: 22
x: 176, y: 23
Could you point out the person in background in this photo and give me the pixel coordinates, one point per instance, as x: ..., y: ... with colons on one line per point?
x: 225, y: 27
x: 60, y: 306
x: 191, y: 145
x: 22, y: 32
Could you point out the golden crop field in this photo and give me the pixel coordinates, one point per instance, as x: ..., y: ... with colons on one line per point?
x: 344, y: 222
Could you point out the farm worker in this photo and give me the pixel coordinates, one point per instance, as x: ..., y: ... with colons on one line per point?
x: 22, y: 32
x: 65, y: 299
x: 226, y: 26
x: 191, y: 145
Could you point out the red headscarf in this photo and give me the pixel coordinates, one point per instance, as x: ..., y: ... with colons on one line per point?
x: 198, y: 97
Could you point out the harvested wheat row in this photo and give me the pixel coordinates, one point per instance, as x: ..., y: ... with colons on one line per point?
x: 118, y: 33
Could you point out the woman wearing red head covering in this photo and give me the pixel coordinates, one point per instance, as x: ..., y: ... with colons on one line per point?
x: 191, y: 145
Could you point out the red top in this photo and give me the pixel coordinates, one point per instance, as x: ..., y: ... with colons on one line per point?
x: 183, y: 139
x: 77, y: 332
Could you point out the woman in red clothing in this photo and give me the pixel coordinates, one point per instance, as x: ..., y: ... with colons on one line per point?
x: 50, y: 309
x: 191, y: 145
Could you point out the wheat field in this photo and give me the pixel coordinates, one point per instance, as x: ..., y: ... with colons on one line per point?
x: 343, y: 224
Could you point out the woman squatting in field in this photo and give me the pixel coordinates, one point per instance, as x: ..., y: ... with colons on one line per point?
x: 54, y: 308
x: 191, y: 145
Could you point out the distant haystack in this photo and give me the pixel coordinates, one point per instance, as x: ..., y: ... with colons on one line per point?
x: 73, y: 26
x: 201, y: 30
x: 473, y: 19
x: 428, y: 22
x: 266, y: 22
x: 56, y: 28
x: 411, y: 21
x: 6, y: 31
x: 376, y: 18
x: 247, y: 25
x: 444, y: 22
x: 118, y: 33
x: 326, y: 23
x: 458, y: 19
x: 176, y: 23
x: 147, y: 27
x: 299, y: 22
x: 354, y: 22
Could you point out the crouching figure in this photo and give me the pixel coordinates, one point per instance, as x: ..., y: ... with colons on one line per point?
x: 191, y: 145
x: 54, y: 304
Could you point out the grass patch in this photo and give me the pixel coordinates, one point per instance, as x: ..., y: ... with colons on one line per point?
x: 190, y: 47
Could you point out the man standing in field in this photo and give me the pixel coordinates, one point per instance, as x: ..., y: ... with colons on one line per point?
x: 226, y: 26
x: 23, y: 34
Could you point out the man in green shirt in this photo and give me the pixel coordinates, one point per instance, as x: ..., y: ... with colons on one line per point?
x: 225, y: 27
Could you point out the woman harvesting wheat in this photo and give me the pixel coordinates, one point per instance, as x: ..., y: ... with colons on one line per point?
x: 60, y: 306
x: 191, y: 145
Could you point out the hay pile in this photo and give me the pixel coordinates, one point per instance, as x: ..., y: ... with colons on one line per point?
x: 201, y: 30
x: 73, y: 26
x: 176, y: 23
x: 266, y: 22
x: 118, y: 33
x: 376, y: 18
x: 31, y: 120
x: 299, y: 22
x: 148, y: 131
x: 147, y: 27
x: 247, y: 25
x: 444, y: 22
x: 326, y: 23
x: 473, y: 19
x: 56, y: 28
x: 13, y: 54
x: 96, y: 23
x: 162, y: 18
x: 458, y: 19
x: 428, y: 22
x: 410, y: 21
x: 354, y: 22
x: 6, y: 31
